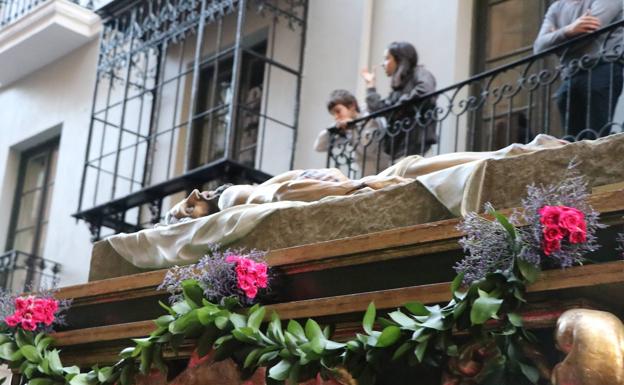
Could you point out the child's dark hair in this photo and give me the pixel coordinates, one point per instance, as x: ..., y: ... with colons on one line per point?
x: 343, y: 97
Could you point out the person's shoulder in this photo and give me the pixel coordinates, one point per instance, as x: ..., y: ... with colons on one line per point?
x: 421, y: 69
x: 555, y: 6
x: 422, y: 73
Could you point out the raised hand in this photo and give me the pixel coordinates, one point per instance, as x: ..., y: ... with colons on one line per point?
x: 369, y: 77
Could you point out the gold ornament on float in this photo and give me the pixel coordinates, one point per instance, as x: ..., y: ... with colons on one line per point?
x: 593, y: 342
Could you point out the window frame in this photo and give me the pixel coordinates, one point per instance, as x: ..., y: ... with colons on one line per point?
x: 208, y: 94
x: 481, y: 31
x: 48, y: 149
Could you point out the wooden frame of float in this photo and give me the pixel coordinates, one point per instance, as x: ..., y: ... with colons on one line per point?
x: 418, y: 240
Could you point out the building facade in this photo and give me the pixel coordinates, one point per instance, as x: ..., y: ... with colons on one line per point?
x: 112, y: 112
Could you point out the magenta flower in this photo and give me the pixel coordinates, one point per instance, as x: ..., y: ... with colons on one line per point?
x: 549, y: 215
x: 560, y: 222
x: 12, y: 320
x: 552, y: 233
x: 571, y: 219
x: 223, y: 274
x: 30, y: 312
x: 578, y: 236
x: 250, y: 275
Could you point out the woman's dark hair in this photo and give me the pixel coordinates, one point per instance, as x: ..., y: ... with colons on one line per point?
x: 406, y: 58
x: 343, y: 97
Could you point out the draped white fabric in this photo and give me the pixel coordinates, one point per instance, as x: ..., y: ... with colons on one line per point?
x: 454, y: 179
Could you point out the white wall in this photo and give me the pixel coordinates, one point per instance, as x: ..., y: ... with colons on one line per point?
x: 57, y: 97
x: 343, y: 36
x: 332, y: 60
x: 346, y: 35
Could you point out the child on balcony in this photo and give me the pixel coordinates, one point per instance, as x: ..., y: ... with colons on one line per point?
x: 358, y: 143
x: 601, y: 75
x: 408, y: 134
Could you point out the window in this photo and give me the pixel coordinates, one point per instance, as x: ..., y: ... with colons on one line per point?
x: 212, y: 112
x: 505, y: 32
x: 31, y: 209
x: 166, y: 116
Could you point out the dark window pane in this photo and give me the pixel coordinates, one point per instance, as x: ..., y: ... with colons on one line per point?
x: 48, y: 202
x: 33, y: 199
x: 29, y: 209
x: 215, y: 94
x: 512, y: 108
x: 513, y: 24
x: 42, y: 238
x: 35, y: 172
x: 53, y: 161
x: 24, y: 240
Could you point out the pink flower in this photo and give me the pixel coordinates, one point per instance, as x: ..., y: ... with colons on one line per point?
x: 262, y: 281
x: 560, y: 222
x: 51, y: 305
x: 29, y: 324
x: 578, y: 236
x: 23, y: 303
x: 571, y: 218
x: 551, y: 246
x: 232, y: 258
x: 49, y: 319
x: 251, y: 292
x: 259, y: 268
x: 31, y: 311
x: 250, y: 275
x: 13, y: 320
x: 38, y: 315
x: 552, y: 233
x: 549, y: 215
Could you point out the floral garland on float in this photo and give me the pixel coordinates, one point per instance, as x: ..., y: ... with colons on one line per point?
x: 216, y: 300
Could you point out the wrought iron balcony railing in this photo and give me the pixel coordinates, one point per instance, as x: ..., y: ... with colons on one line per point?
x: 569, y: 91
x: 189, y: 93
x: 20, y: 272
x: 13, y: 10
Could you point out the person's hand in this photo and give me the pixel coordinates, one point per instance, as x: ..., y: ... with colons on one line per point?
x: 369, y: 77
x: 343, y: 125
x: 584, y: 24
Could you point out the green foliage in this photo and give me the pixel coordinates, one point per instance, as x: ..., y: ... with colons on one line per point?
x: 294, y: 352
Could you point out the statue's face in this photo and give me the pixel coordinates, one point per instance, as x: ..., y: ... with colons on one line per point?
x: 196, y: 205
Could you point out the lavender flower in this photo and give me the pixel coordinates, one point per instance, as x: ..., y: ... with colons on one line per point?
x: 620, y: 241
x: 489, y: 247
x: 216, y: 276
x: 487, y: 244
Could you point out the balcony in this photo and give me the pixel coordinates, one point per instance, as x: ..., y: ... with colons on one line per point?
x: 34, y: 33
x: 198, y: 94
x: 20, y: 272
x: 509, y: 104
x: 189, y: 93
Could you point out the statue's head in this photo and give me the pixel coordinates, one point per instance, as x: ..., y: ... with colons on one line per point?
x: 197, y: 204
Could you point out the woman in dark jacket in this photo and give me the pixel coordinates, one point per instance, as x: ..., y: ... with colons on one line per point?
x: 408, y: 80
